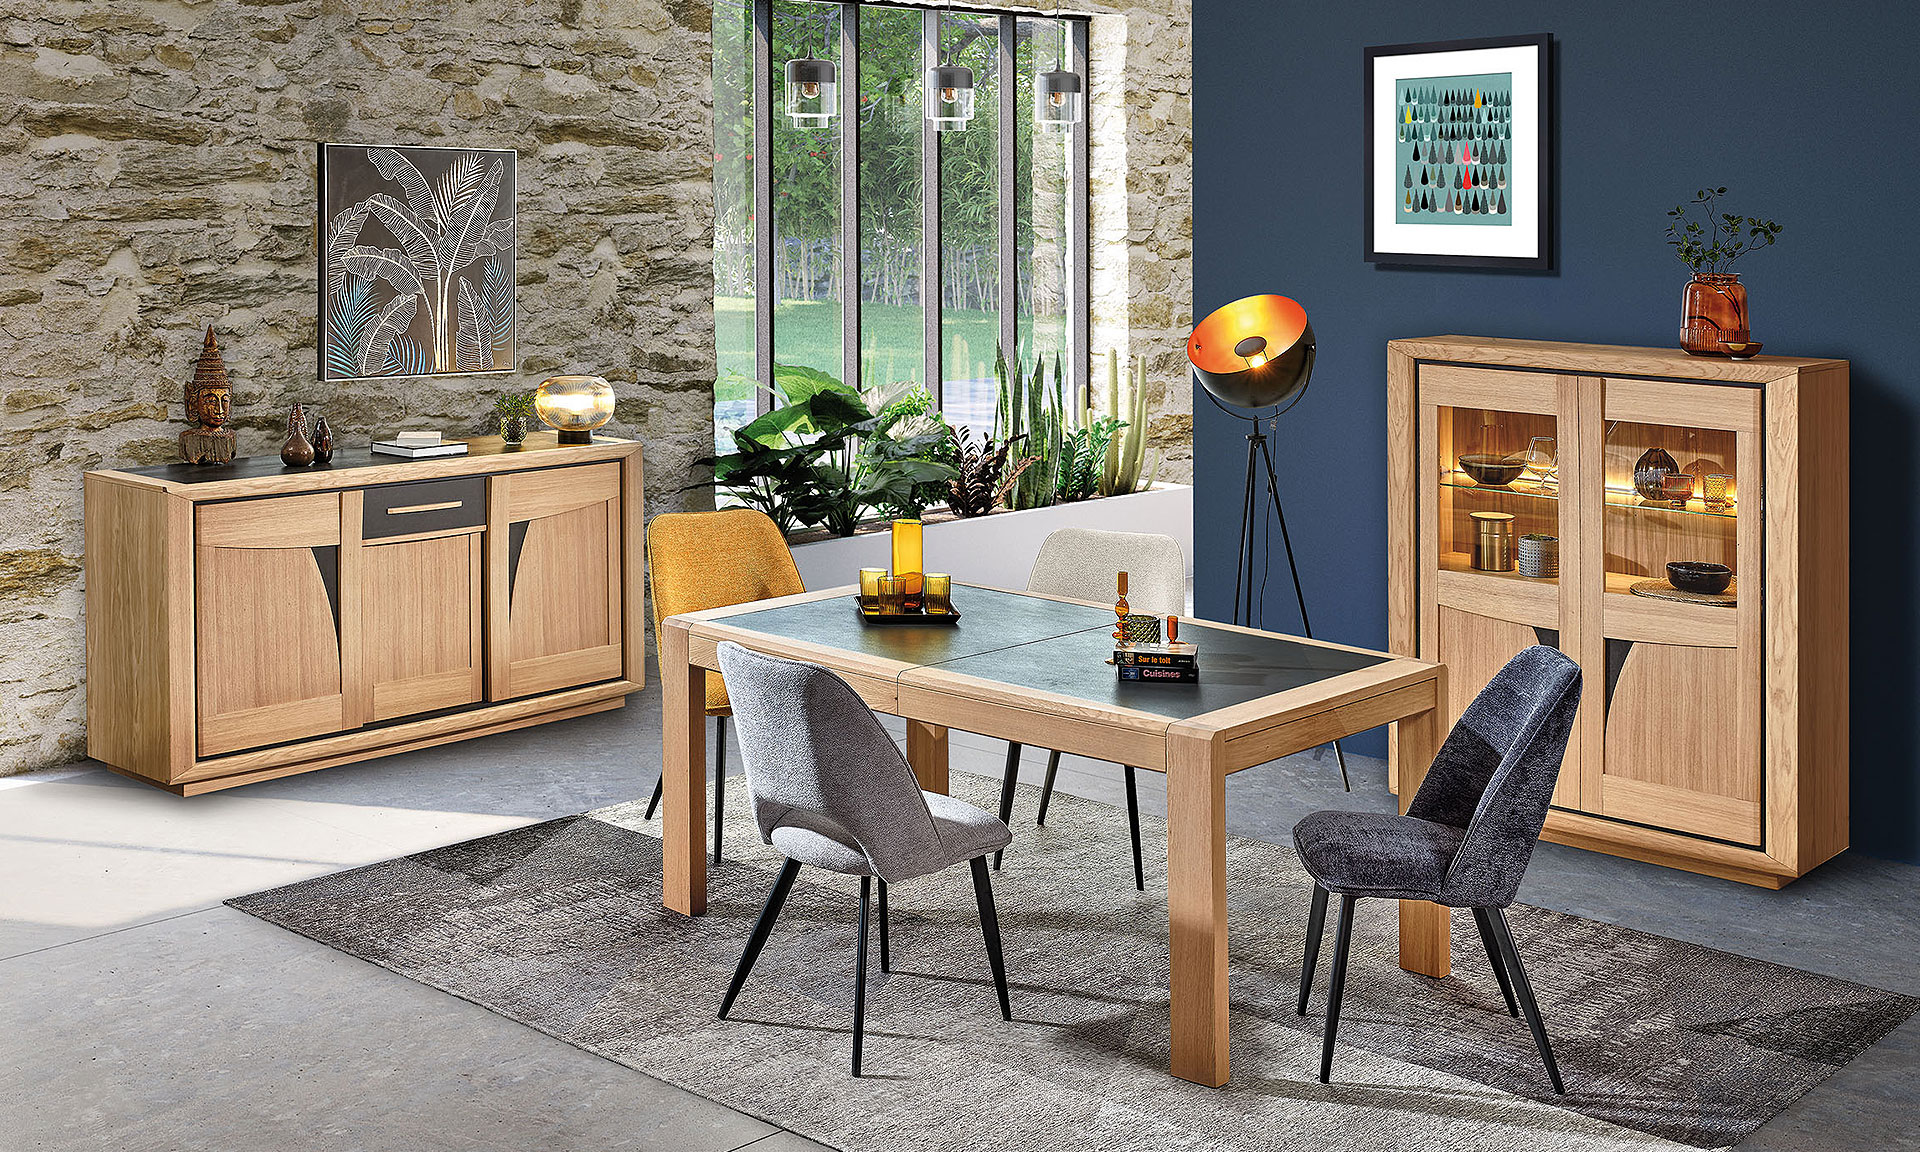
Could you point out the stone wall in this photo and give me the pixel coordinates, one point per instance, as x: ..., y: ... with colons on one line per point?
x: 157, y: 176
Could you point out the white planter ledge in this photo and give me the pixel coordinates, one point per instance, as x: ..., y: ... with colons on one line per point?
x: 999, y: 550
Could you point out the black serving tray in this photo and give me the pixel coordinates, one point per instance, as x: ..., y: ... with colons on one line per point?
x: 937, y: 619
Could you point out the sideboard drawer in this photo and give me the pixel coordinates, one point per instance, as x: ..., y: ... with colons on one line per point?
x: 424, y: 506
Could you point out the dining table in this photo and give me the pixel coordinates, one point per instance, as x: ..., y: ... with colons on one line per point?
x: 1036, y: 670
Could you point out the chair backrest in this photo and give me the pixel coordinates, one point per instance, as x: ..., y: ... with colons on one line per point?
x: 1082, y: 563
x: 1495, y: 774
x: 701, y: 560
x: 812, y: 746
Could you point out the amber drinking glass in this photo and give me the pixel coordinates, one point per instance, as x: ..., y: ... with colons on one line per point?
x: 893, y: 596
x: 938, y: 589
x: 870, y: 588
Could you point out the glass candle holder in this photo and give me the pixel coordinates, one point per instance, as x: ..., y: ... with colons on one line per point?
x: 1678, y: 487
x: 907, y: 563
x: 870, y: 588
x: 1717, y: 489
x: 893, y: 596
x: 937, y: 590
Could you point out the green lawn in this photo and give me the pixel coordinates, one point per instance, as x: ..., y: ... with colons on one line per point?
x: 808, y: 333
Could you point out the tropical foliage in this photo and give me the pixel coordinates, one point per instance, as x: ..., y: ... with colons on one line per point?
x: 452, y: 268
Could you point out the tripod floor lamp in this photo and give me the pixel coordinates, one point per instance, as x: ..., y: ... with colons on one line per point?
x: 1254, y: 357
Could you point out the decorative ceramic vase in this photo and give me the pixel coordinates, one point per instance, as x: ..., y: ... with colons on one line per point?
x: 1650, y: 473
x: 297, y: 452
x: 322, y: 442
x: 1715, y: 313
x: 513, y: 429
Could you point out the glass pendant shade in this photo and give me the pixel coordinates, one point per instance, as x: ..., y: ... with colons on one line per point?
x: 811, y: 89
x: 574, y: 406
x: 1058, y: 100
x: 949, y: 96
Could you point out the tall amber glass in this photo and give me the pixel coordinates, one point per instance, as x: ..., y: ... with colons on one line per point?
x: 907, y: 562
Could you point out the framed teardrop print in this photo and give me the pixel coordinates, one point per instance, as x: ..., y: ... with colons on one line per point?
x: 1457, y: 153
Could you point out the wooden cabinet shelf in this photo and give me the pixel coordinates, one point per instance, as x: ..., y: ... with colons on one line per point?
x: 1711, y: 736
x: 247, y: 621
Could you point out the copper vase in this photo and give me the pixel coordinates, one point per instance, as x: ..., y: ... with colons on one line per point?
x: 297, y: 452
x: 1715, y: 313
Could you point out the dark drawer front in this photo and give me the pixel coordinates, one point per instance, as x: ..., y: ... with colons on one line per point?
x: 424, y: 506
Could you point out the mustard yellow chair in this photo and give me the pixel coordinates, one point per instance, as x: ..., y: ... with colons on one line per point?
x: 702, y: 560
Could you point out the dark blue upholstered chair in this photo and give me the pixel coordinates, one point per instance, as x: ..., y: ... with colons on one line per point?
x: 830, y: 789
x: 1465, y: 840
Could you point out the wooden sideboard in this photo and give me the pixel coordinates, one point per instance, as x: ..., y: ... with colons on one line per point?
x: 247, y: 620
x: 1711, y: 737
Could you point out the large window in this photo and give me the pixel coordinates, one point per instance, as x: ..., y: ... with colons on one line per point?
x: 873, y: 247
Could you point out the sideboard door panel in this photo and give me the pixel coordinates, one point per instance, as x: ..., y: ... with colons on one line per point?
x: 555, y: 573
x: 423, y: 639
x: 1675, y: 753
x: 266, y: 612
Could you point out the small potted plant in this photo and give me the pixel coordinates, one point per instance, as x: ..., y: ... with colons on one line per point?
x: 1714, y: 309
x: 515, y: 410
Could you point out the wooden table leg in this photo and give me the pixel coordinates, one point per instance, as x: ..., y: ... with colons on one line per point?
x: 1197, y: 906
x: 1426, y: 941
x: 683, y: 817
x: 927, y: 752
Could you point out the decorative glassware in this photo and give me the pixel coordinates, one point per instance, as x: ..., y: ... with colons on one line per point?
x: 297, y: 451
x: 1678, y: 488
x: 513, y: 429
x: 1543, y: 461
x: 907, y: 562
x: 322, y: 442
x: 1717, y: 490
x: 870, y: 588
x: 574, y: 406
x: 1141, y: 628
x: 1650, y: 473
x: 938, y: 590
x: 893, y: 596
x: 1715, y: 313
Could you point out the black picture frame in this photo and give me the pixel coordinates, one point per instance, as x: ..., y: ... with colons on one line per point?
x: 1376, y: 182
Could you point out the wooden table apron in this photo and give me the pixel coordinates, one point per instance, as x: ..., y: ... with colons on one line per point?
x: 1197, y: 754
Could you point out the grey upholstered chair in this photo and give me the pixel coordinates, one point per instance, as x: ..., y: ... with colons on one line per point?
x: 1466, y: 838
x: 1084, y: 564
x: 830, y: 789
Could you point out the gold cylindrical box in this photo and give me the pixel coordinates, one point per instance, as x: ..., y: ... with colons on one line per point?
x: 1493, y: 541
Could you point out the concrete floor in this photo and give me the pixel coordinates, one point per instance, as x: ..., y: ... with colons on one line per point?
x: 144, y: 1014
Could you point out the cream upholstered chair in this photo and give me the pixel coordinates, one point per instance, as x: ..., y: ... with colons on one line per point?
x: 1085, y: 564
x: 830, y: 789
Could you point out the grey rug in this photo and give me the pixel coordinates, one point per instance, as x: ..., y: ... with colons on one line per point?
x: 559, y: 925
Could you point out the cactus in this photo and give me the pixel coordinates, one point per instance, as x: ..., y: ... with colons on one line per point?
x: 1031, y: 409
x: 1127, y: 450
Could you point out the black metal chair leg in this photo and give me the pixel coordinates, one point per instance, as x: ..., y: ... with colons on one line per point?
x: 1524, y: 987
x: 1484, y: 923
x: 1046, y: 790
x: 886, y: 962
x: 1007, y: 782
x: 860, y: 974
x: 761, y: 928
x: 990, y: 929
x: 1316, y: 929
x: 719, y: 782
x: 659, y: 786
x: 1133, y: 826
x: 1337, y: 987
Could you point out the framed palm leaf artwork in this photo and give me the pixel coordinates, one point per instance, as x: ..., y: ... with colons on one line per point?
x: 1457, y: 146
x: 416, y: 261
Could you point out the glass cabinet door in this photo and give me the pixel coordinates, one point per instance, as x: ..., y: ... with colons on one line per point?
x: 1679, y: 494
x: 1494, y: 466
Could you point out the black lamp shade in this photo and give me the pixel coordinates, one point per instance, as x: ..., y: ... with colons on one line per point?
x: 1254, y: 353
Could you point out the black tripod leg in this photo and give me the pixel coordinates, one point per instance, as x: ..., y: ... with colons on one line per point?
x: 1299, y: 593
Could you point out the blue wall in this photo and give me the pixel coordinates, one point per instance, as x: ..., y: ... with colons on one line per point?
x: 1808, y: 116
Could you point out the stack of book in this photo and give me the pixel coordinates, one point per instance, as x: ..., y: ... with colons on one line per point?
x: 415, y: 445
x: 1172, y: 663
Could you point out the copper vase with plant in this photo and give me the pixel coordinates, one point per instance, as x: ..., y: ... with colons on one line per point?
x: 1714, y: 308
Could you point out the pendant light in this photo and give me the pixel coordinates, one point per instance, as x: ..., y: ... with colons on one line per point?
x: 949, y: 89
x: 811, y: 89
x: 1058, y: 98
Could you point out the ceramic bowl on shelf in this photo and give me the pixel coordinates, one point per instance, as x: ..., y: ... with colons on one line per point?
x: 1492, y: 469
x: 1699, y: 576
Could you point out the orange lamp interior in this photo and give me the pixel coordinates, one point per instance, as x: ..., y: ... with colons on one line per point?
x: 1275, y: 320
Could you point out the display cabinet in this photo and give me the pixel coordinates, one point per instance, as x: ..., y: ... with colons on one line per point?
x: 247, y: 620
x: 1538, y: 493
